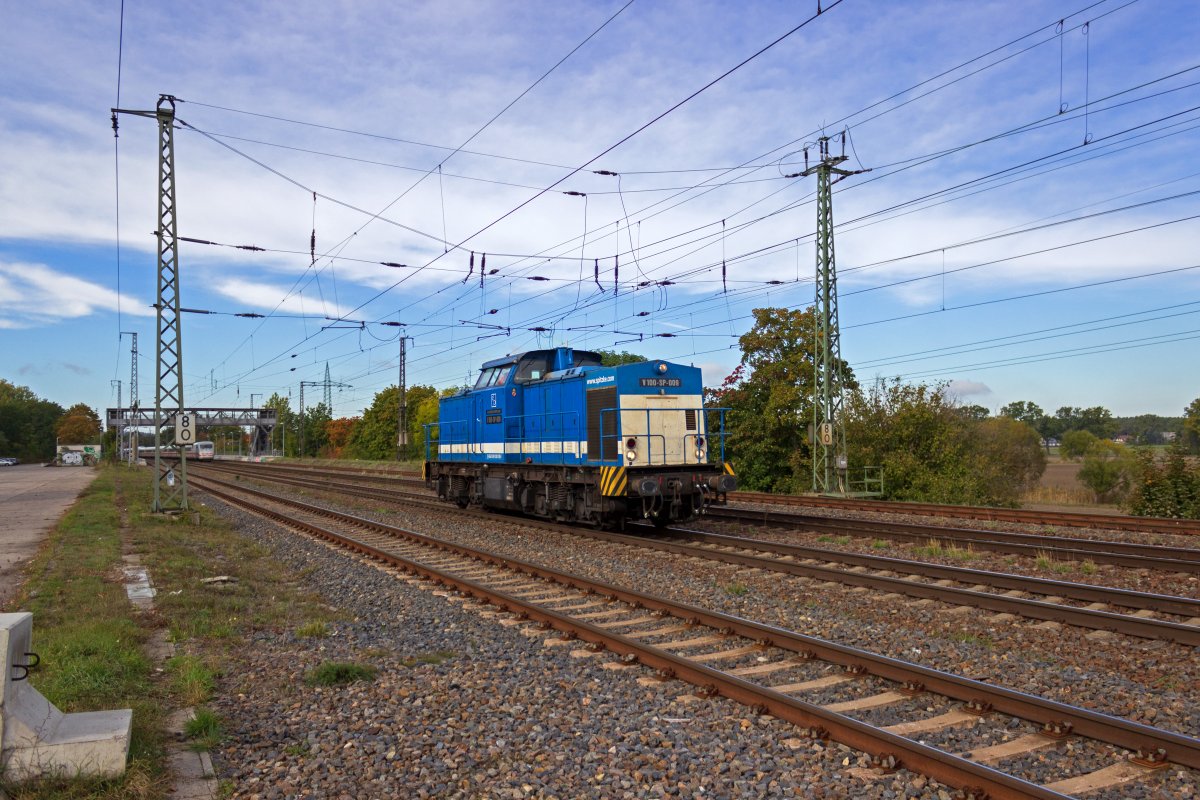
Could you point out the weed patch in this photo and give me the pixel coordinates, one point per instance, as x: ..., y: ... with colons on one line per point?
x: 335, y: 673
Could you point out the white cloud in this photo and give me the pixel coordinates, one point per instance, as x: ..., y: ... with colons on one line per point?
x: 969, y: 388
x: 32, y: 295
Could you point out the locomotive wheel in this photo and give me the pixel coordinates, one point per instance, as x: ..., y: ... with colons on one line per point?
x: 461, y: 502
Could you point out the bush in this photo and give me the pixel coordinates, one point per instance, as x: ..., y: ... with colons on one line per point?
x: 1167, y: 489
x: 1106, y: 470
x: 1076, y: 444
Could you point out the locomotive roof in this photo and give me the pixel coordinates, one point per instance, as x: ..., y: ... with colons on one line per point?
x: 588, y: 357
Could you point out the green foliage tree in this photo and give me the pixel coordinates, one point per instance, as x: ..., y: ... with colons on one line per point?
x: 975, y: 412
x: 1097, y: 420
x: 285, y: 438
x: 1165, y: 489
x: 1076, y: 444
x: 1007, y: 459
x: 1106, y: 469
x: 316, y: 429
x: 27, y: 423
x: 770, y: 397
x: 1191, y: 426
x: 1033, y: 416
x: 374, y: 437
x: 931, y: 451
x: 612, y: 358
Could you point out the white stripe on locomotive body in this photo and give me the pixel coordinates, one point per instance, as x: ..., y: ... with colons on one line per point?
x: 547, y: 446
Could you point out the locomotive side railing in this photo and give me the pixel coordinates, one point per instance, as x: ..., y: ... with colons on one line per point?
x: 461, y: 433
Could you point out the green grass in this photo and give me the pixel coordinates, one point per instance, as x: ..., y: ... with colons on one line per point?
x: 336, y: 673
x: 427, y: 658
x: 881, y: 544
x: 1088, y: 567
x: 313, y: 630
x: 986, y: 642
x: 90, y: 638
x: 936, y: 549
x: 191, y: 678
x: 736, y: 589
x: 204, y: 729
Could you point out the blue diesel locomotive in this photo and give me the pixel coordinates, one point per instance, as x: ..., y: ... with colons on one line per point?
x: 555, y: 434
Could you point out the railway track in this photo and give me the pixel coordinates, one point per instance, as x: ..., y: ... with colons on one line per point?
x: 1066, y: 519
x: 1132, y: 555
x: 1003, y: 593
x: 826, y: 689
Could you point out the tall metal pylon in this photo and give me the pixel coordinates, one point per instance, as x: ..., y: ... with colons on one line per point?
x: 170, y: 491
x: 328, y: 389
x: 402, y: 384
x: 829, y: 431
x: 133, y: 392
x: 328, y: 384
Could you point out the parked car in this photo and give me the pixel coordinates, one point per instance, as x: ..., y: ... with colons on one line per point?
x: 9, y: 461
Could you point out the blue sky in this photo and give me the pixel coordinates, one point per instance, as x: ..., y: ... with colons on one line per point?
x: 953, y: 106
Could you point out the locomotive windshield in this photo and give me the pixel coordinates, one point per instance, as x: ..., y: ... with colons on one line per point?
x: 493, y: 376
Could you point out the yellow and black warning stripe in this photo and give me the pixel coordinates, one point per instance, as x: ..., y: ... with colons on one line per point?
x: 613, y: 481
x: 729, y: 468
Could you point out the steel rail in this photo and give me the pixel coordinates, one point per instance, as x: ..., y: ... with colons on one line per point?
x: 1072, y: 519
x: 1102, y: 551
x: 1087, y: 592
x: 1095, y: 619
x: 1107, y: 551
x: 1174, y: 747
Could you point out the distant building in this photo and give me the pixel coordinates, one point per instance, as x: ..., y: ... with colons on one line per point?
x: 1169, y: 436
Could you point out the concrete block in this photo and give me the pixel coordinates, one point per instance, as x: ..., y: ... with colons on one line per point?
x: 37, y: 739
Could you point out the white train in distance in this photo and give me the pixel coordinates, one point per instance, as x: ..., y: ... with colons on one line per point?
x: 200, y: 451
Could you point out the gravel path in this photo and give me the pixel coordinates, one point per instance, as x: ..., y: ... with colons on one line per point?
x: 502, y: 716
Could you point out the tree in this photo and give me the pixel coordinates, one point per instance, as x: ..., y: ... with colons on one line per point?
x: 79, y: 425
x: 770, y: 395
x: 1008, y: 459
x: 1097, y: 420
x: 1168, y: 489
x: 1191, y: 426
x: 374, y: 437
x: 338, y: 433
x: 285, y: 437
x: 1033, y: 416
x: 316, y: 434
x: 611, y: 358
x: 27, y: 423
x: 1075, y: 444
x: 1105, y: 469
x: 975, y: 412
x: 931, y: 451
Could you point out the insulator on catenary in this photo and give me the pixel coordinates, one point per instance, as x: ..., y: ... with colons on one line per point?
x: 471, y: 271
x: 616, y: 273
x: 596, y: 274
x: 482, y: 269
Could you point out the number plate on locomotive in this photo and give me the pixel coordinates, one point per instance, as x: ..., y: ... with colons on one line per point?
x: 662, y: 383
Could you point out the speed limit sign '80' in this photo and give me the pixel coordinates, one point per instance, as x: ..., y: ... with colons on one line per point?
x: 185, y: 429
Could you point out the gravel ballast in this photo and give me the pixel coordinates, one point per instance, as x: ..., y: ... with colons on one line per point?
x: 496, y: 714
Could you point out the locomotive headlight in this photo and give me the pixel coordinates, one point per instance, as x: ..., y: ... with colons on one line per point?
x: 699, y: 453
x: 662, y: 367
x: 631, y: 455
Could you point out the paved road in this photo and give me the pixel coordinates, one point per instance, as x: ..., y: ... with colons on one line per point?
x: 32, y: 499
